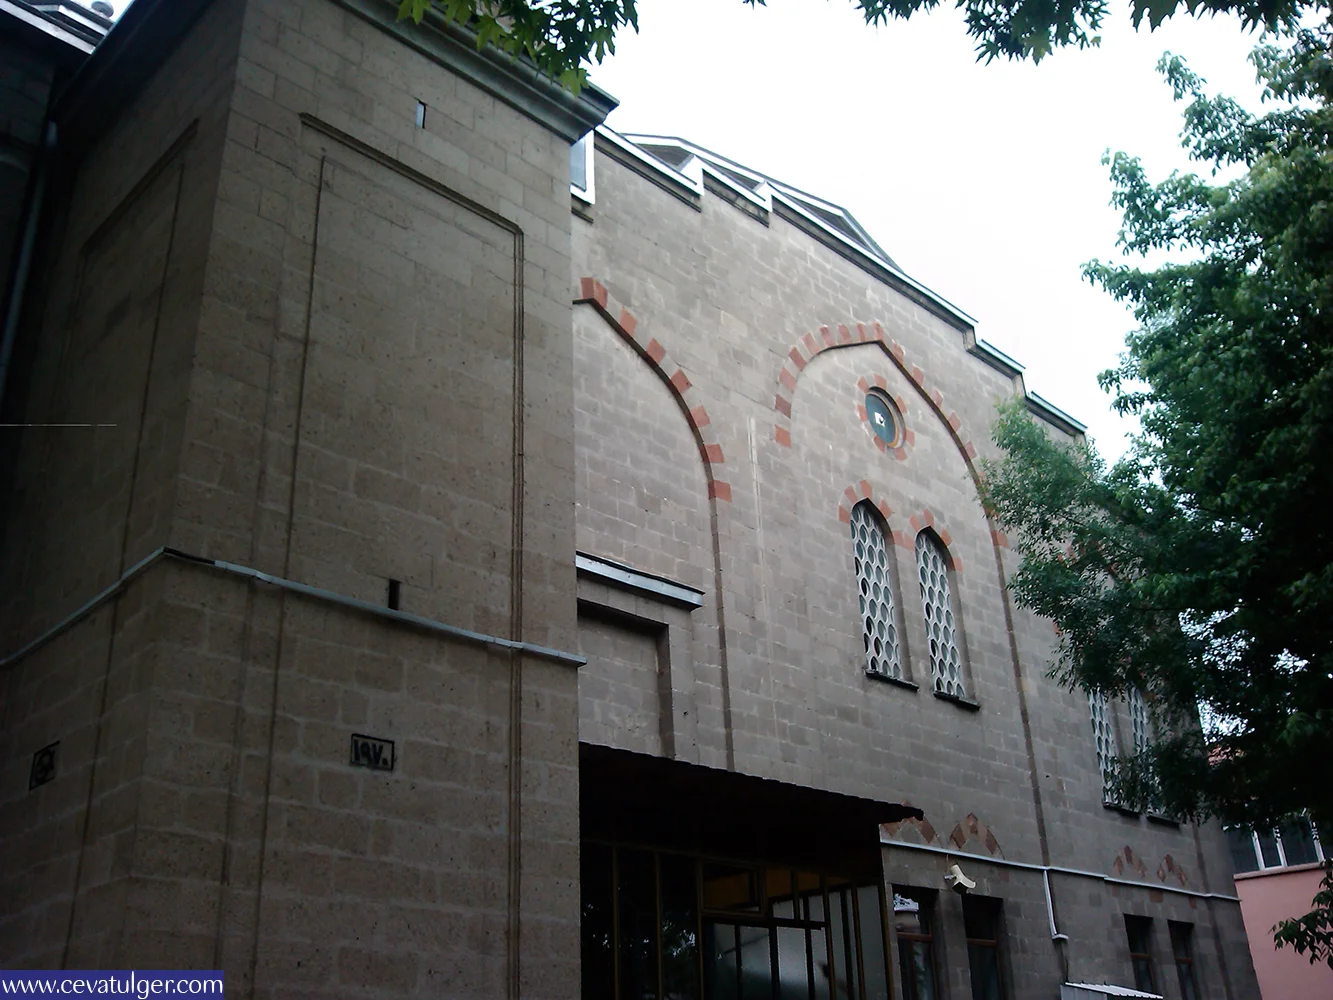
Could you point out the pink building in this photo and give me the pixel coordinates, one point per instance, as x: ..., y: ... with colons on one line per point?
x: 1277, y: 874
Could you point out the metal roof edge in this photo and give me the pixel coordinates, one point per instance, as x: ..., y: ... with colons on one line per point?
x: 762, y: 197
x: 1052, y: 414
x: 761, y: 178
x: 46, y: 31
x: 996, y: 358
x: 651, y: 168
x: 941, y: 306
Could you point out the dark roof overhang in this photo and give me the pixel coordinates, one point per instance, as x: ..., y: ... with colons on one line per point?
x: 655, y: 801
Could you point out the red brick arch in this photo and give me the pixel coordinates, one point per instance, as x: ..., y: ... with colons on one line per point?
x: 593, y: 293
x: 1127, y: 860
x: 1168, y: 869
x: 919, y: 522
x: 913, y: 829
x: 926, y: 520
x: 972, y: 828
x: 809, y: 346
x: 854, y: 494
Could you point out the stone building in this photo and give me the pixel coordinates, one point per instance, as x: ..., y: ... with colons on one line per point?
x: 426, y: 578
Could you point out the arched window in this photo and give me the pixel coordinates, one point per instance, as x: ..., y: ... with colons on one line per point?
x: 874, y: 584
x: 1138, y: 721
x: 946, y: 660
x: 1141, y: 730
x: 1103, y: 734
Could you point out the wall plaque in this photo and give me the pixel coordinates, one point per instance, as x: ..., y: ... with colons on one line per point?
x: 43, y: 766
x: 372, y: 752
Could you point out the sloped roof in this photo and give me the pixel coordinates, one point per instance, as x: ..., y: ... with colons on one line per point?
x: 678, y: 153
x: 681, y: 166
x: 62, y: 23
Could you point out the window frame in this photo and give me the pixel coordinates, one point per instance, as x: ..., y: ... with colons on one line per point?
x: 1143, y: 924
x: 925, y: 900
x: 1106, y: 761
x: 849, y: 959
x: 994, y: 945
x: 1143, y: 734
x: 964, y: 695
x: 899, y: 672
x: 584, y: 148
x: 1182, y: 954
x: 1322, y: 856
x: 895, y: 416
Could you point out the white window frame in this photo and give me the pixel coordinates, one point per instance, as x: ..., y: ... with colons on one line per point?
x: 1100, y: 705
x: 946, y: 618
x: 1281, y: 851
x: 588, y: 194
x: 865, y: 516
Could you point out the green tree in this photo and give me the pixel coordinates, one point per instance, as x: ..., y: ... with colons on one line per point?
x: 1199, y: 568
x: 562, y: 36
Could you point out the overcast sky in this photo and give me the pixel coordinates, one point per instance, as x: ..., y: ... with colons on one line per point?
x: 984, y: 182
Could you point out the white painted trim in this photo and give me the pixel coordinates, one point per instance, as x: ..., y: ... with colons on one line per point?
x: 587, y: 194
x: 627, y: 578
x: 646, y: 158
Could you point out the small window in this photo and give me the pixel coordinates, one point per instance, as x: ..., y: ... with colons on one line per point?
x: 1103, y: 735
x: 1139, y: 932
x: 580, y: 169
x: 1294, y: 842
x: 876, y: 592
x: 1298, y: 843
x: 884, y: 419
x: 946, y: 662
x: 1241, y: 842
x: 912, y: 918
x: 981, y: 921
x: 1268, y: 849
x: 1182, y: 950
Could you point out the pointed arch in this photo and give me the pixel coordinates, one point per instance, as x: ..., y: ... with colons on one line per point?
x: 857, y: 492
x: 878, y: 592
x: 911, y: 830
x: 809, y: 346
x: 1169, y: 869
x: 1127, y: 860
x: 971, y: 828
x: 950, y: 664
x: 925, y: 521
x: 593, y: 293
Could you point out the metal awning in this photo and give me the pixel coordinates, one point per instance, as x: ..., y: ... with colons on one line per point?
x: 649, y: 800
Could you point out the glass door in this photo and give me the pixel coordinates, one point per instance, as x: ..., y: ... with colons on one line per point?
x: 660, y: 925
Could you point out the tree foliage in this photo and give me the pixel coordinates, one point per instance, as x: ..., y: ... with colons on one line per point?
x: 1199, y: 568
x: 562, y: 36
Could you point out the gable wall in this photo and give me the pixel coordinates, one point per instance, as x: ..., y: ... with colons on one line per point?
x: 779, y: 667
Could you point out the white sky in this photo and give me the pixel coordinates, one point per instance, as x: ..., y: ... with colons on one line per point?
x: 982, y: 181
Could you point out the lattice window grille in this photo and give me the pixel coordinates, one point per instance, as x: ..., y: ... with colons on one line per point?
x: 879, y: 629
x: 1141, y: 727
x: 946, y: 663
x: 1138, y: 721
x: 1104, y: 735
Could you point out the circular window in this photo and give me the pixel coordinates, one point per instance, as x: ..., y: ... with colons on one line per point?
x: 883, y: 417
